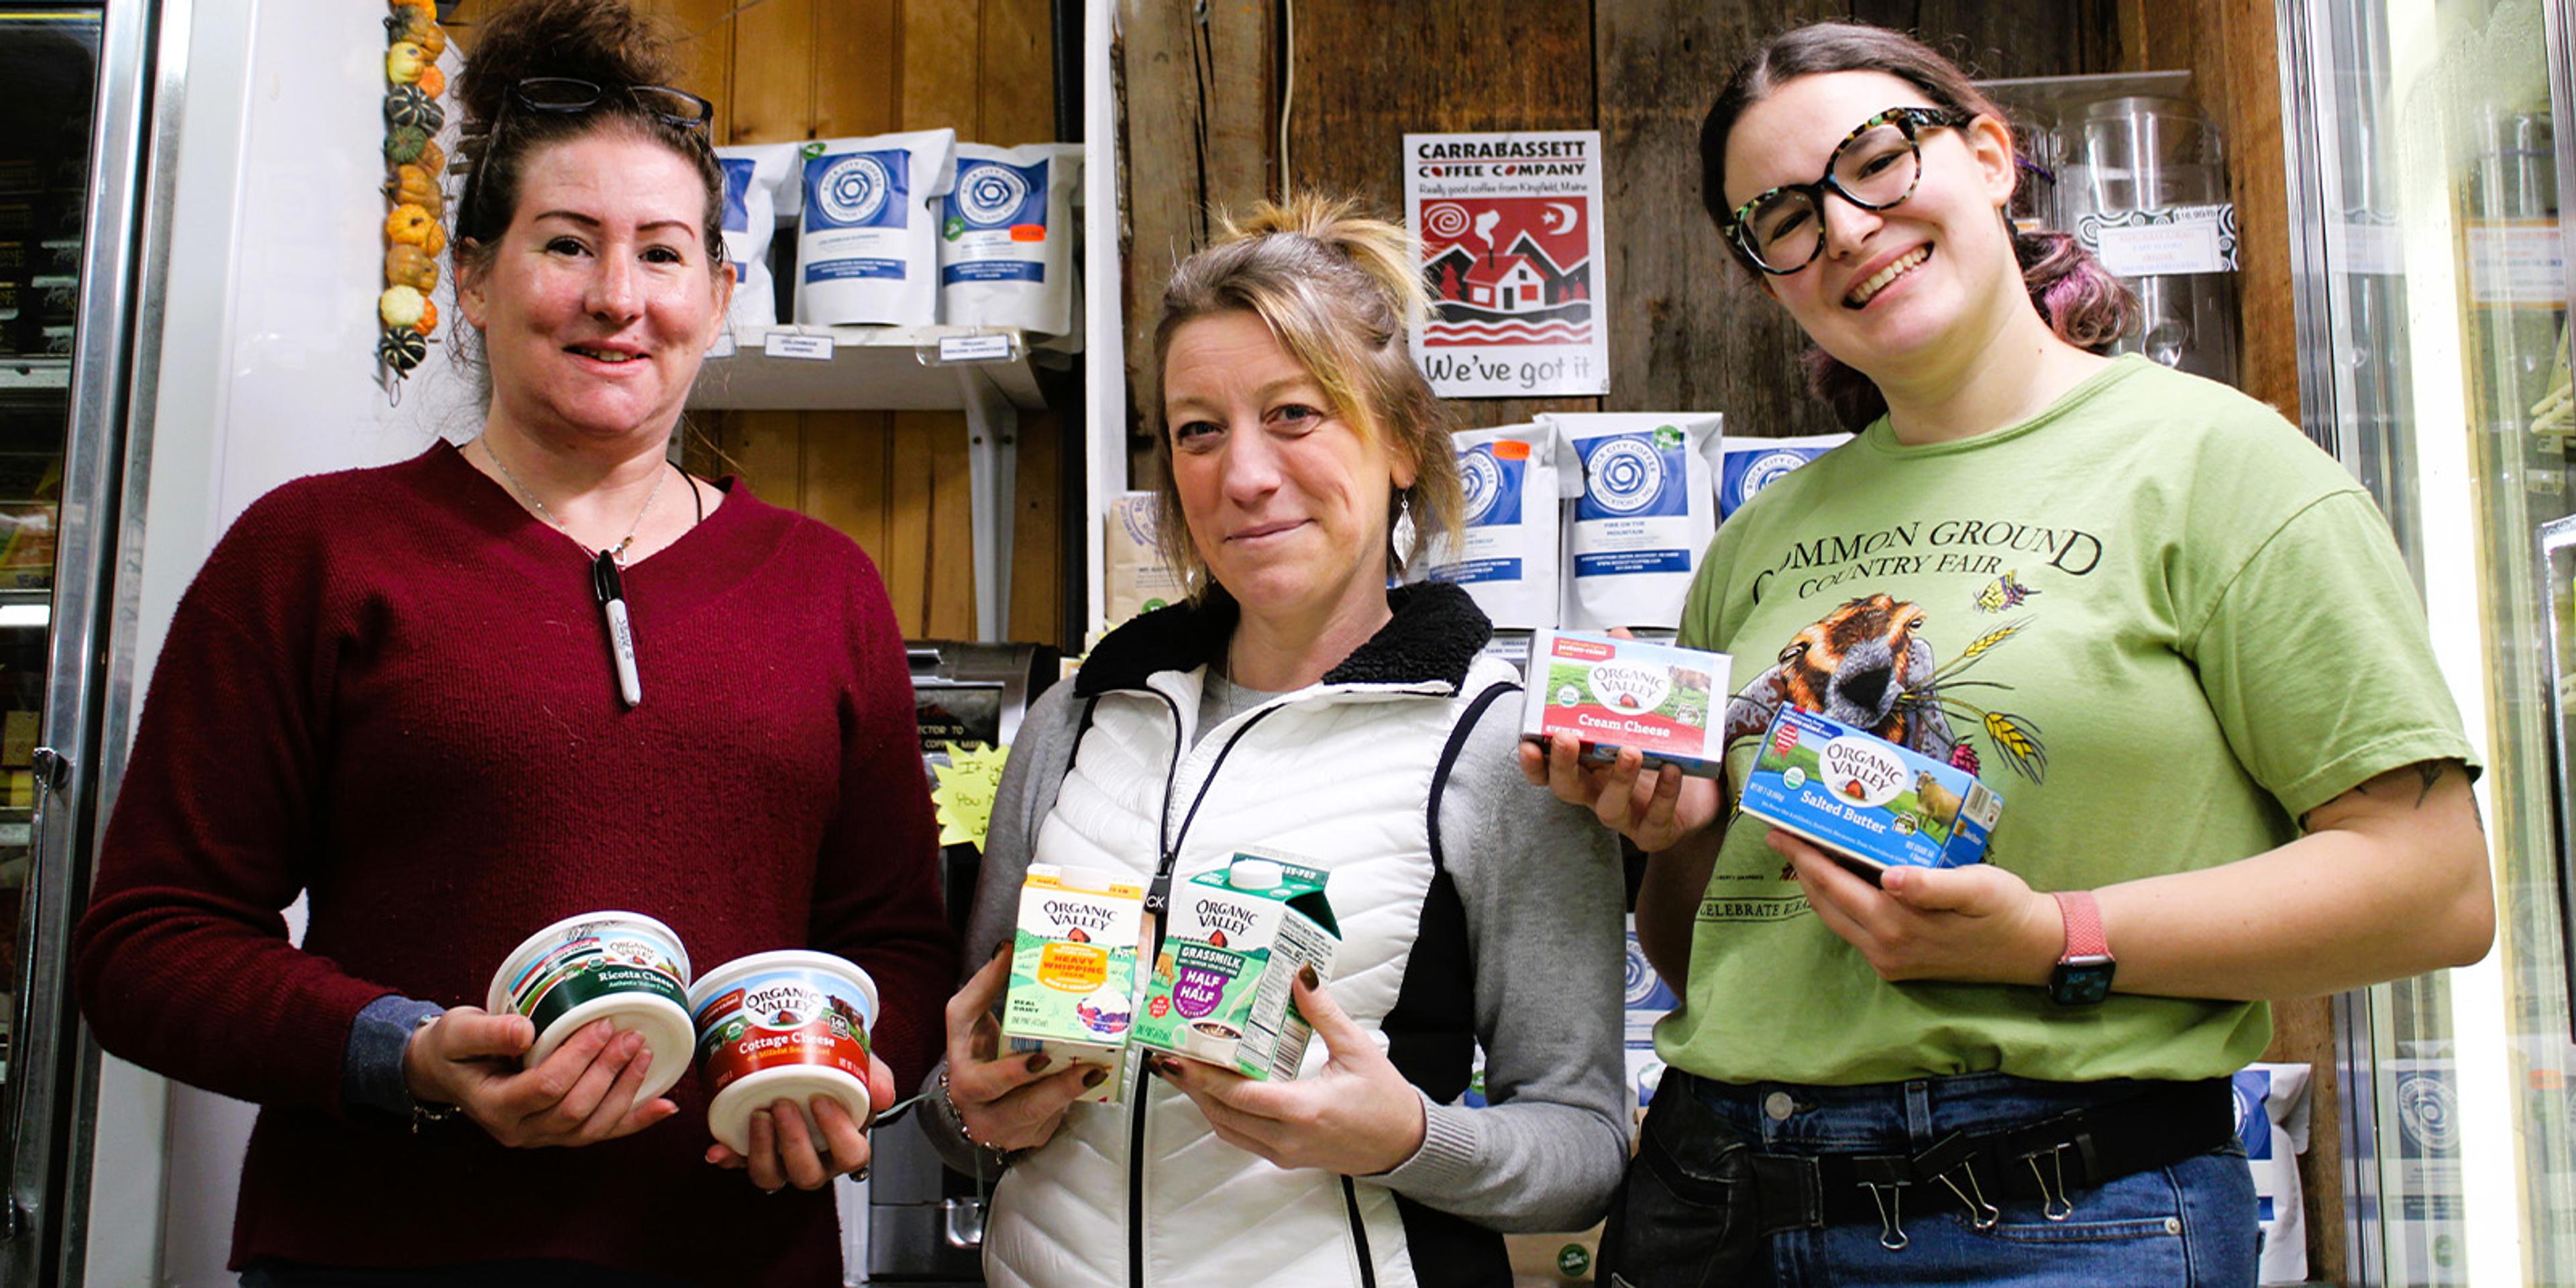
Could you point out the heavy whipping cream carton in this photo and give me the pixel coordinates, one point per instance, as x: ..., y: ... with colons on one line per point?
x: 1865, y: 800
x: 1220, y: 987
x: 868, y: 240
x: 1645, y: 508
x: 1615, y: 693
x: 1073, y: 969
x: 1507, y: 558
x: 1748, y: 465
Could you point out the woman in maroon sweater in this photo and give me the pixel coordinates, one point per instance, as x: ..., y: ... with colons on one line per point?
x: 394, y: 691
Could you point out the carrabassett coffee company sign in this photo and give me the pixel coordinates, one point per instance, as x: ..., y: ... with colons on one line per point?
x: 1511, y: 244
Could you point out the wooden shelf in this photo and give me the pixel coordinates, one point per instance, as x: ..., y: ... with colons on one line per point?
x: 870, y: 369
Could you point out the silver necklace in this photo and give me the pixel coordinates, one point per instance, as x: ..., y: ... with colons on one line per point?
x: 616, y: 552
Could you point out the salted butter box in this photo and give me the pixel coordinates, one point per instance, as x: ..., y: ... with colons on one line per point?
x: 1866, y: 800
x: 1219, y: 991
x: 1073, y: 969
x: 1613, y: 693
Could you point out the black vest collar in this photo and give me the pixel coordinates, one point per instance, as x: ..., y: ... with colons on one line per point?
x: 1435, y: 635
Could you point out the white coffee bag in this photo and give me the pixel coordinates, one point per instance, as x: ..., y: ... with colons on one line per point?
x: 1508, y: 559
x: 1006, y: 238
x: 2272, y: 1122
x: 1749, y: 465
x: 1645, y: 508
x: 868, y: 234
x: 755, y: 178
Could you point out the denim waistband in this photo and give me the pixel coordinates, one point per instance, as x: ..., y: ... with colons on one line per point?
x: 1904, y: 1117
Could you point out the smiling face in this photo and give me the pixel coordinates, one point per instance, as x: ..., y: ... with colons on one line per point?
x: 599, y: 301
x: 1286, y: 502
x: 1899, y: 290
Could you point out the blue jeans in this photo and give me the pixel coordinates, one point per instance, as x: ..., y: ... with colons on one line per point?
x: 2190, y: 1225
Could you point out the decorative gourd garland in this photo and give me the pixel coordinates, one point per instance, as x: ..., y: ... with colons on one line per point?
x: 416, y: 188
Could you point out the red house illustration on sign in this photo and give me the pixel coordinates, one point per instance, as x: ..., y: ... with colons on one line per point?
x: 1507, y: 270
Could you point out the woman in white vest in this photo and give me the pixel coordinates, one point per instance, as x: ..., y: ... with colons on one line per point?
x: 1296, y: 706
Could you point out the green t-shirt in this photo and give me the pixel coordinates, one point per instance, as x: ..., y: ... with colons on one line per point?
x: 2154, y: 619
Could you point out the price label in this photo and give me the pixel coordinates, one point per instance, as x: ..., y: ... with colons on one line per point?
x: 789, y: 344
x: 974, y: 348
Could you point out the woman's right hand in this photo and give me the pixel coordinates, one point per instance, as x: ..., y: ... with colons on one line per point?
x: 1657, y: 811
x: 1011, y: 1102
x: 582, y: 1093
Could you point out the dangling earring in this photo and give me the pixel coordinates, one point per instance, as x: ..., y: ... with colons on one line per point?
x: 1400, y: 534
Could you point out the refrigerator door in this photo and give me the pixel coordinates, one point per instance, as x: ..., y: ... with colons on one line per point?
x: 2429, y: 146
x: 72, y: 179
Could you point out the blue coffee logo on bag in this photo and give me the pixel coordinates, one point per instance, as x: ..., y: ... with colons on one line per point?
x: 1632, y: 475
x: 992, y: 194
x: 858, y: 189
x: 1491, y: 487
x: 737, y: 179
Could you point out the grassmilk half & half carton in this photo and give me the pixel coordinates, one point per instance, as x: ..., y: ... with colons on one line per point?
x: 1073, y: 970
x: 1220, y: 988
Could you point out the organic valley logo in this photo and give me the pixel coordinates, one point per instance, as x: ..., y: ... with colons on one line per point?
x: 1079, y: 916
x: 1625, y: 686
x: 783, y: 1006
x: 1225, y: 917
x: 1862, y: 772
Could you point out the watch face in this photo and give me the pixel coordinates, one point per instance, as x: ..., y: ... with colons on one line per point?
x: 2074, y: 984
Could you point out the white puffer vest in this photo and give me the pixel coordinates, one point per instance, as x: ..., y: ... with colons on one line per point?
x: 1340, y: 775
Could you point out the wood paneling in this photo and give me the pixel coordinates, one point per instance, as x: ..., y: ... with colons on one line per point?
x: 773, y: 80
x: 859, y: 51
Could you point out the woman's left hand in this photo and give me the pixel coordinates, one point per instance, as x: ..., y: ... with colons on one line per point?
x: 784, y: 1153
x: 1356, y: 1116
x: 1978, y: 924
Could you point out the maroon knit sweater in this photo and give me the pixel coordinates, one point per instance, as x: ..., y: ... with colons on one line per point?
x: 391, y: 689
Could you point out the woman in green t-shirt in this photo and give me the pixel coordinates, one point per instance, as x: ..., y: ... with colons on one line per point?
x: 2169, y: 633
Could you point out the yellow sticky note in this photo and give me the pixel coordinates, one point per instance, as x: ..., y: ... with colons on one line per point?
x: 967, y: 785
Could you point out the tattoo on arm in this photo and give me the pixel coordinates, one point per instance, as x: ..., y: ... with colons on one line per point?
x: 2431, y: 772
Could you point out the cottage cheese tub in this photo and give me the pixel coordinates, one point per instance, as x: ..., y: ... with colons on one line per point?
x: 623, y: 967
x: 788, y: 1025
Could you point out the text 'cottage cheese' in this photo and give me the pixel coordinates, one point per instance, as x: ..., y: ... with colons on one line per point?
x: 788, y: 1025
x: 1508, y: 556
x: 868, y: 244
x: 1006, y: 238
x: 1645, y: 508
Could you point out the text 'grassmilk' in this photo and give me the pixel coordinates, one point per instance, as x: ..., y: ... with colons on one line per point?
x: 1865, y: 800
x: 1220, y: 987
x: 1613, y: 694
x: 1073, y: 969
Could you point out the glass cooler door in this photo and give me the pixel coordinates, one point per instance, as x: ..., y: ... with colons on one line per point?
x: 2429, y: 144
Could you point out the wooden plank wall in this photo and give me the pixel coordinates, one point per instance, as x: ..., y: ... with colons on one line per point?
x: 785, y: 70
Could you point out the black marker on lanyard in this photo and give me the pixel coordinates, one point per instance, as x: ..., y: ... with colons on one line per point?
x: 611, y: 589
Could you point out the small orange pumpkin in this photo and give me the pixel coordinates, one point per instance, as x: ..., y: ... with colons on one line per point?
x: 415, y: 186
x: 428, y: 316
x: 410, y: 225
x: 433, y: 82
x: 407, y: 265
x: 432, y: 158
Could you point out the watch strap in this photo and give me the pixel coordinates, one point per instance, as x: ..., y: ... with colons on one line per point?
x: 2084, y: 937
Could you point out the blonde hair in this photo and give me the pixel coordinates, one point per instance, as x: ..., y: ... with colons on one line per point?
x: 1341, y: 291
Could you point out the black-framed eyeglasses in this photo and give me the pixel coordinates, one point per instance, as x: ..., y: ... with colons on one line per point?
x: 563, y: 95
x: 1875, y: 167
x: 568, y: 96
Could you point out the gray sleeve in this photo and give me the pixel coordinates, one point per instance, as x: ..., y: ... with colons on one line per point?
x: 371, y: 1069
x: 1540, y: 880
x: 1040, y: 756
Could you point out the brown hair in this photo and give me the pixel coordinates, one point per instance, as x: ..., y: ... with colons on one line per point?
x: 605, y: 42
x: 1341, y: 291
x: 2079, y: 299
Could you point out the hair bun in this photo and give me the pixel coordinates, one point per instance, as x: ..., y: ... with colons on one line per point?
x: 1380, y: 248
x: 605, y: 42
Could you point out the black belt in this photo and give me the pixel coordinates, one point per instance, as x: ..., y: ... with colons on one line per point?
x: 2046, y: 1160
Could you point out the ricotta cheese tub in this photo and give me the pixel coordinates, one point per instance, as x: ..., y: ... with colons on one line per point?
x: 623, y: 967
